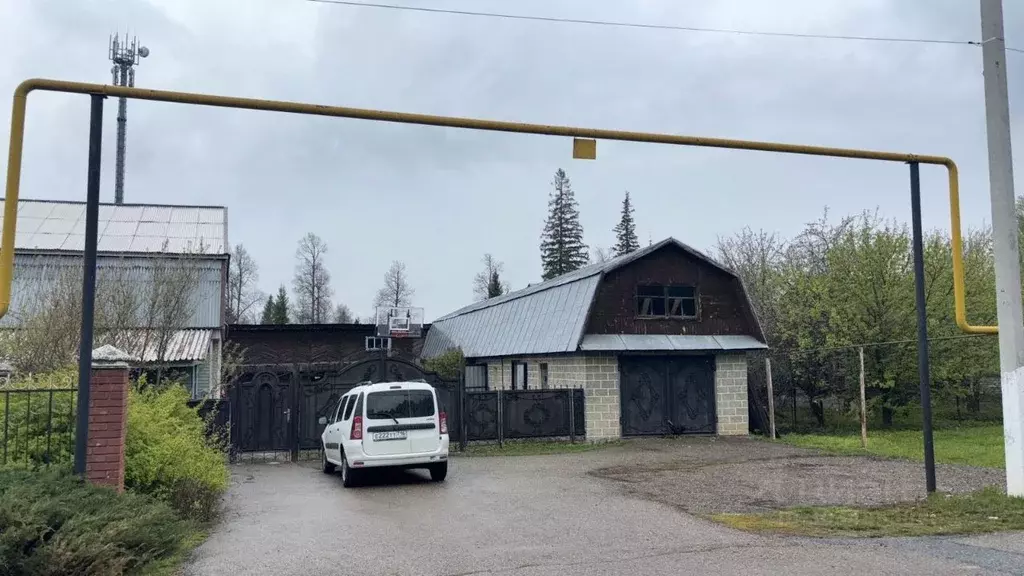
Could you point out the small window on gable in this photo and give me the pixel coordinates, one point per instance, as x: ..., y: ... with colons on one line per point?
x: 666, y: 301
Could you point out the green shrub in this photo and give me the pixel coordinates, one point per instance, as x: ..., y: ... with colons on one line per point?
x: 168, y: 454
x: 52, y: 523
x: 448, y: 364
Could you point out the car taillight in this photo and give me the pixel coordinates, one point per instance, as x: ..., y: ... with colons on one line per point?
x: 444, y: 422
x: 357, y: 428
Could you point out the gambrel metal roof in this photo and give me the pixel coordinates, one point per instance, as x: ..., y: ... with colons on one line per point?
x: 546, y: 318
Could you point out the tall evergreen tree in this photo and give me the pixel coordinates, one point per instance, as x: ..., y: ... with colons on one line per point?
x: 281, y: 307
x: 268, y: 311
x: 625, y: 231
x: 561, y: 246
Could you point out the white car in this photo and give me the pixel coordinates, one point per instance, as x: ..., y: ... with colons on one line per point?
x: 391, y: 424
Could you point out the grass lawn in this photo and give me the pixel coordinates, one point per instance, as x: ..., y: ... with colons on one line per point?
x: 975, y: 446
x: 532, y: 448
x: 986, y: 511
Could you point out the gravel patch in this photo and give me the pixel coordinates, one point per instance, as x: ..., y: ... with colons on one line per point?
x: 716, y: 475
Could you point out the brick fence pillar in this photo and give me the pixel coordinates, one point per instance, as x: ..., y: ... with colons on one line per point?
x: 108, y: 417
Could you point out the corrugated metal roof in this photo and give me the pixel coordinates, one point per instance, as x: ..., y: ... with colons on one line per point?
x: 35, y: 275
x: 667, y: 342
x: 547, y: 322
x: 545, y: 318
x: 182, y: 346
x: 52, y: 225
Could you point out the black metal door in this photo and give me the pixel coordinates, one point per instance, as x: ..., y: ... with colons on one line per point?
x: 692, y: 399
x: 667, y: 395
x: 643, y: 396
x: 263, y: 411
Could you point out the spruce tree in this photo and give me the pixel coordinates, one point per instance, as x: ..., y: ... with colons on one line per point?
x: 494, y: 285
x: 625, y: 231
x: 268, y: 311
x: 281, y: 311
x: 561, y: 247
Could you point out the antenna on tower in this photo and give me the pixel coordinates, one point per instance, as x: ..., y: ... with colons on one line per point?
x: 125, y: 55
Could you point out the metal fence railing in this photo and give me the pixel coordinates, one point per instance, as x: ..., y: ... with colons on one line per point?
x: 512, y: 414
x: 38, y: 427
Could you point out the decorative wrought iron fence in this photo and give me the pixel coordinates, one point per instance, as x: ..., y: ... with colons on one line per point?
x: 512, y: 414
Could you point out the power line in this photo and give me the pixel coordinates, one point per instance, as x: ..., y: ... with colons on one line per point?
x: 649, y: 26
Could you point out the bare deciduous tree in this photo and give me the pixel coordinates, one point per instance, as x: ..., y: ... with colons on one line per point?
x: 396, y: 291
x: 312, y: 281
x: 757, y: 257
x: 343, y: 315
x: 140, y: 305
x: 243, y: 295
x: 487, y: 283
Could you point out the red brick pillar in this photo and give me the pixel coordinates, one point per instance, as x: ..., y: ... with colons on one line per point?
x: 108, y: 418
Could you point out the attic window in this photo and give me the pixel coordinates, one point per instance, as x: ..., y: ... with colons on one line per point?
x: 666, y: 301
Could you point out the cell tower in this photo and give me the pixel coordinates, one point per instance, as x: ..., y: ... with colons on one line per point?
x: 125, y: 56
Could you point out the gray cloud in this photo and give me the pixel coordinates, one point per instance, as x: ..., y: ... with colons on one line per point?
x: 438, y: 198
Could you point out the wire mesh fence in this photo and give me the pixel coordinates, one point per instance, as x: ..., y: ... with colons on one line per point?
x: 816, y: 390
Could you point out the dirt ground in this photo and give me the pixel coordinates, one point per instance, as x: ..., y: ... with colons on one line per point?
x: 712, y: 475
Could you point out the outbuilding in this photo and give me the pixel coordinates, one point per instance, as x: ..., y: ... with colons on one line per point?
x: 657, y: 338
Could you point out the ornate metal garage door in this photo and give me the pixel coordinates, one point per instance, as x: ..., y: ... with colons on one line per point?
x: 667, y: 395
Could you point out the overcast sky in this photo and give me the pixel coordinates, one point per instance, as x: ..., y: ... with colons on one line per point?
x: 438, y: 199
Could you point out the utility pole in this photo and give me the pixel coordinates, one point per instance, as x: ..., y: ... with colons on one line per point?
x: 125, y: 57
x: 1004, y: 240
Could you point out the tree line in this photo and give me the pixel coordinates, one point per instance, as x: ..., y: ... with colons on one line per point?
x: 848, y: 283
x: 310, y: 301
x: 562, y: 250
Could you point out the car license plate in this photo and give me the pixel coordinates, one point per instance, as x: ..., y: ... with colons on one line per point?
x: 384, y: 436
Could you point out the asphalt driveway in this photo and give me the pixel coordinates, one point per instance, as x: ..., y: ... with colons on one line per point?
x: 564, y: 515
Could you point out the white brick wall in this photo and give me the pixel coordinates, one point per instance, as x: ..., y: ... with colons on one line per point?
x: 731, y: 394
x: 599, y: 377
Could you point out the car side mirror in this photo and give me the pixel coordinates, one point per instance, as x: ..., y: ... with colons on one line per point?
x: 323, y: 420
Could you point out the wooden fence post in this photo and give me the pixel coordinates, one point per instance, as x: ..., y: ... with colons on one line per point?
x: 771, y: 397
x: 863, y: 405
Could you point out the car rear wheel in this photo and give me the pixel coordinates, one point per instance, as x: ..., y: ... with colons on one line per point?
x: 438, y: 472
x: 348, y: 476
x: 326, y: 466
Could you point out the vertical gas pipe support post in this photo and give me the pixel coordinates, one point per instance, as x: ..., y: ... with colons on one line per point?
x: 92, y: 214
x: 924, y: 372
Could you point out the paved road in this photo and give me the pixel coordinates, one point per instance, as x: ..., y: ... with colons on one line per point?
x: 531, y: 516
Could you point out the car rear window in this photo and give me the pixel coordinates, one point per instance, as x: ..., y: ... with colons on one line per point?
x: 399, y: 404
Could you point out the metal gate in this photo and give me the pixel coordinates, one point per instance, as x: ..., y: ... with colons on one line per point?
x: 276, y: 408
x: 667, y: 395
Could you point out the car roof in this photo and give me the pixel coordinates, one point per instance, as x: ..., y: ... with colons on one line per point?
x: 381, y: 386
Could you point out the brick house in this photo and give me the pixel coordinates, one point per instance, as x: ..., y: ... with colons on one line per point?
x: 656, y: 338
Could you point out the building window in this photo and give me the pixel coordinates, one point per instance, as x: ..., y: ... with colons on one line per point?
x: 519, y: 376
x: 543, y: 376
x: 476, y: 377
x: 666, y: 301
